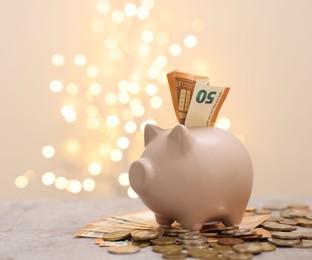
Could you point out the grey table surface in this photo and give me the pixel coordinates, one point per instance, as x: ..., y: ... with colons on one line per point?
x: 45, y: 228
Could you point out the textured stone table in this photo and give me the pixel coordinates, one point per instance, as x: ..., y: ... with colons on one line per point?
x: 45, y: 228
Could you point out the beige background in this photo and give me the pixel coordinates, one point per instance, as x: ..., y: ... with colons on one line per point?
x: 261, y: 49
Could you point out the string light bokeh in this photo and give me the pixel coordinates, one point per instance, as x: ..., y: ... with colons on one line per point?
x: 110, y: 100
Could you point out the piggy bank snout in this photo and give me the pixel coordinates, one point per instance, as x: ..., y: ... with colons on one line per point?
x: 139, y: 173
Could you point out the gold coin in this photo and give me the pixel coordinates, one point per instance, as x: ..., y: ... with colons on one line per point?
x: 194, y: 242
x: 274, y: 226
x: 268, y: 247
x: 175, y: 255
x: 144, y: 234
x: 164, y: 240
x: 195, y: 247
x: 284, y: 242
x: 190, y: 235
x: 167, y: 248
x: 116, y: 235
x: 253, y: 248
x: 287, y: 235
x: 298, y: 206
x: 306, y: 235
x: 230, y: 241
x: 141, y: 244
x: 305, y: 222
x: 304, y: 243
x: 217, y: 257
x: 128, y: 249
x: 291, y: 222
x: 198, y: 253
x: 210, y: 234
x: 245, y: 232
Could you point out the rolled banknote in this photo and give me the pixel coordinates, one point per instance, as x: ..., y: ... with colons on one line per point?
x: 195, y: 102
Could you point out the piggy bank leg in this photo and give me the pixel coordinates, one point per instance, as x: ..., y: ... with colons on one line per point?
x: 232, y: 220
x: 162, y: 221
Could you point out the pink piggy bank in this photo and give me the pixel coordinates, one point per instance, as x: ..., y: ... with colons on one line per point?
x: 193, y: 176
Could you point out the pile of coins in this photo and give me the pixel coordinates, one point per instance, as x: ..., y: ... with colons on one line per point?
x: 223, y: 242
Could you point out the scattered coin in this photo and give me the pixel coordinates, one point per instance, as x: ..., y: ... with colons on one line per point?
x: 304, y: 243
x: 175, y: 255
x: 230, y: 241
x: 244, y: 232
x: 128, y: 249
x: 141, y: 244
x: 164, y: 240
x: 306, y: 235
x: 144, y: 234
x: 305, y: 222
x: 275, y: 219
x: 268, y: 247
x: 199, y: 253
x: 298, y: 206
x: 291, y: 222
x: 194, y: 242
x: 253, y: 248
x: 190, y: 235
x: 167, y: 248
x: 238, y: 256
x: 116, y: 235
x: 287, y: 235
x: 284, y: 242
x: 274, y: 226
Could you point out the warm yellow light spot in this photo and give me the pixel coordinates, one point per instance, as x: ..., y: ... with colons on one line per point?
x: 116, y: 155
x: 148, y: 3
x: 104, y: 149
x: 92, y: 111
x: 57, y: 60
x: 110, y: 98
x: 184, y: 23
x: 127, y: 114
x: 151, y: 89
x: 166, y: 16
x: 95, y: 88
x: 72, y: 147
x: 161, y: 61
x: 88, y: 184
x: 97, y: 25
x: 71, y: 89
x: 95, y: 168
x: 112, y: 121
x: 149, y: 121
x: 190, y: 41
x: 61, y: 183
x: 56, y: 86
x: 48, y: 151
x: 80, y: 60
x: 130, y: 9
x: 74, y: 186
x: 132, y: 194
x: 153, y: 72
x: 198, y: 25
x: 143, y: 12
x: 30, y: 175
x: 156, y: 102
x: 124, y: 179
x: 138, y: 110
x: 115, y: 55
x: 48, y: 178
x: 21, y: 182
x: 123, y: 85
x: 147, y: 36
x: 223, y: 123
x: 92, y: 71
x: 130, y: 127
x: 134, y: 101
x: 69, y: 113
x: 134, y: 88
x: 144, y: 48
x: 175, y: 49
x: 123, y: 142
x: 103, y: 7
x: 118, y: 16
x: 110, y: 43
x: 123, y: 97
x: 92, y: 123
x: 162, y: 38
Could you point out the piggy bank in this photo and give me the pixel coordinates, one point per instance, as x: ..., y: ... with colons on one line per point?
x: 193, y: 176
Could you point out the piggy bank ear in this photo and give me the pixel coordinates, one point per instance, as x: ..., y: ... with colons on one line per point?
x: 182, y: 137
x: 150, y: 132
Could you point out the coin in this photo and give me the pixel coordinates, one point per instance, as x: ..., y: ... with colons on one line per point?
x: 141, y: 244
x: 250, y: 209
x: 298, y: 206
x: 164, y: 240
x: 190, y: 235
x: 174, y: 231
x: 268, y: 247
x: 116, y: 235
x: 304, y: 243
x: 167, y: 248
x: 284, y: 242
x: 245, y: 232
x: 230, y: 241
x: 237, y: 256
x: 194, y: 242
x: 305, y: 222
x: 198, y: 253
x: 217, y: 257
x: 270, y: 225
x: 306, y: 235
x: 253, y: 248
x: 144, y: 234
x: 210, y: 234
x: 291, y: 222
x: 200, y: 246
x: 128, y: 249
x: 287, y: 235
x: 175, y: 255
x: 275, y: 219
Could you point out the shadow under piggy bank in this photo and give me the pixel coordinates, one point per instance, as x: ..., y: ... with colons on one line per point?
x: 193, y: 176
